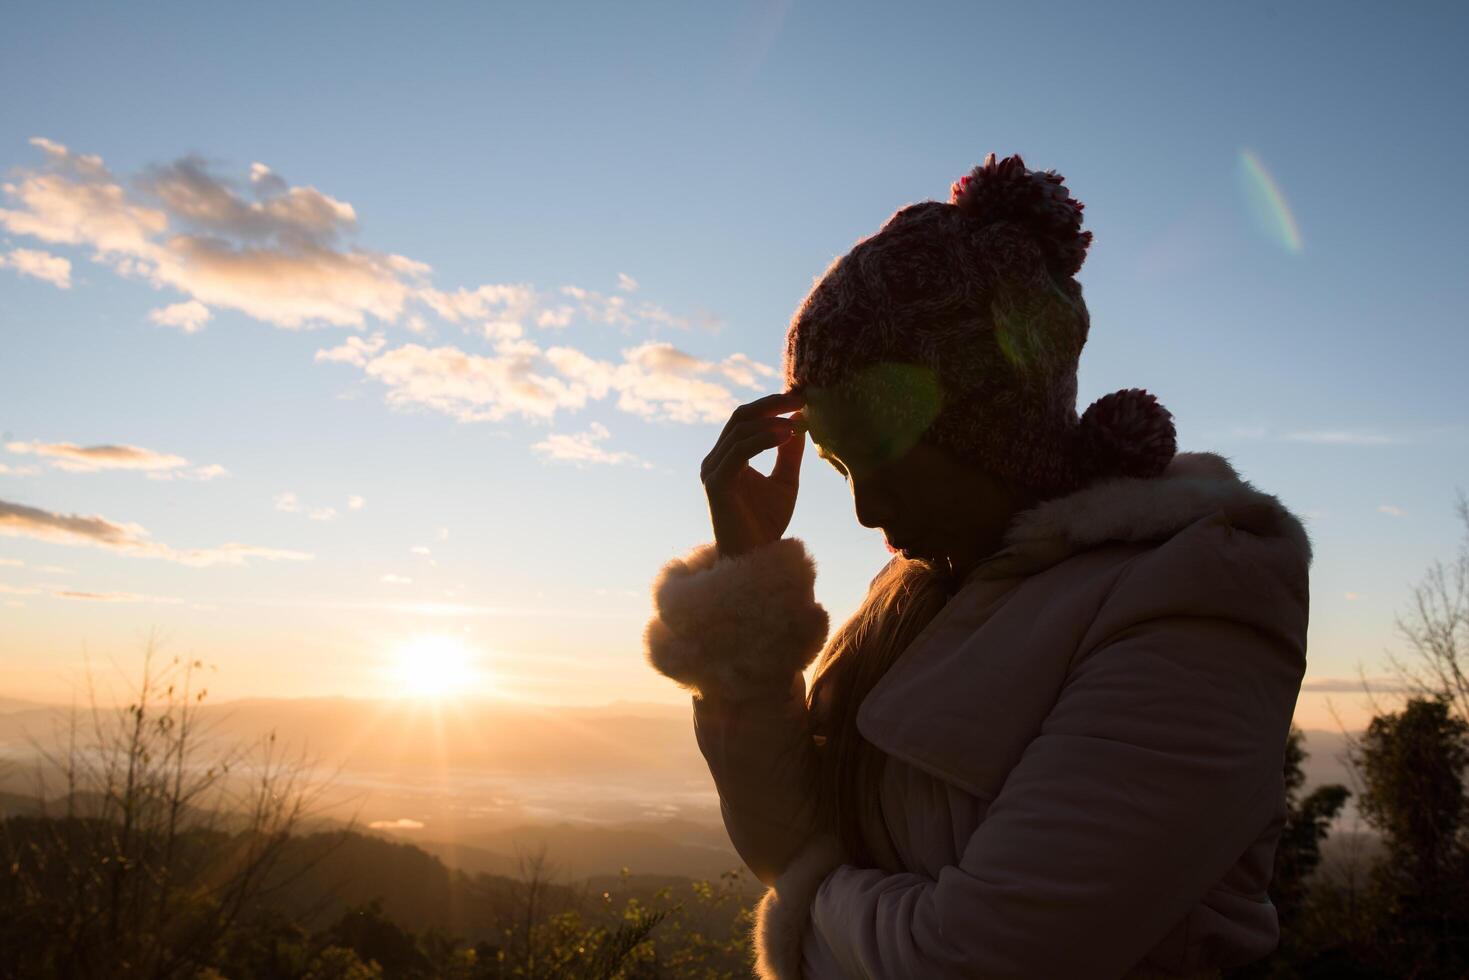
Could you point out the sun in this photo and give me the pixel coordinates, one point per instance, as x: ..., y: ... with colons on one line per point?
x: 435, y: 667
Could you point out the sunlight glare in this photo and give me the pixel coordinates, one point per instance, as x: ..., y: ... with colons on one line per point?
x: 435, y: 667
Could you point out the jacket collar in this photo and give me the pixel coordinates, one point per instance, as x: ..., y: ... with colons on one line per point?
x: 1129, y: 509
x: 960, y: 687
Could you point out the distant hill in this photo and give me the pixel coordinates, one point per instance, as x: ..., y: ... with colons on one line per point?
x: 9, y: 705
x: 1347, y: 854
x: 1326, y: 763
x: 676, y: 848
x: 387, y: 734
x: 499, y: 736
x: 18, y: 805
x: 478, y: 783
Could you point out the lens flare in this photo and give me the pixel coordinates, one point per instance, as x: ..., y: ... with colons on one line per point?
x: 875, y: 415
x: 1267, y: 204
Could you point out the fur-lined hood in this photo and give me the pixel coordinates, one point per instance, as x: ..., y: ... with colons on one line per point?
x: 1194, y: 486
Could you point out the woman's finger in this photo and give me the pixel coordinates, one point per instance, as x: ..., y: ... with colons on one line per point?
x: 746, y: 449
x: 788, y: 455
x: 776, y: 404
x: 759, y: 408
x: 735, y: 434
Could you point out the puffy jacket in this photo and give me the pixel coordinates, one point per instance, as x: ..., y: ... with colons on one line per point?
x: 1085, y: 748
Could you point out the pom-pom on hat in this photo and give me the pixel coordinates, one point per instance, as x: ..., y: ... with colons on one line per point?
x: 967, y: 317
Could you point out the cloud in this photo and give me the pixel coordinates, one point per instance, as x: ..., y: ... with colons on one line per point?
x: 557, y: 318
x: 274, y: 251
x: 656, y: 315
x: 296, y: 215
x: 11, y: 563
x: 19, y: 520
x: 266, y: 181
x: 659, y: 381
x: 502, y: 301
x: 291, y: 504
x: 189, y: 316
x: 596, y: 307
x: 74, y: 200
x: 79, y: 596
x: 419, y: 549
x: 90, y: 459
x: 1339, y: 685
x: 1341, y: 437
x: 18, y: 470
x: 1390, y: 510
x: 275, y: 258
x: 581, y: 447
x: 23, y: 521
x: 391, y: 579
x: 277, y: 252
x: 72, y: 458
x: 18, y: 590
x: 746, y: 372
x: 39, y: 265
x: 354, y: 350
x: 475, y: 387
x: 501, y: 330
x: 289, y: 287
x: 204, y: 473
x: 402, y: 823
x: 1352, y: 596
x: 355, y: 502
x: 654, y: 380
x: 282, y: 254
x: 1320, y: 437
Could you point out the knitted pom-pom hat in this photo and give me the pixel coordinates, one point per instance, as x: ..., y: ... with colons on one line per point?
x: 967, y: 315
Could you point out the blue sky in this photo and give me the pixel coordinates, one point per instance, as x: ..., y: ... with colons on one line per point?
x: 690, y: 168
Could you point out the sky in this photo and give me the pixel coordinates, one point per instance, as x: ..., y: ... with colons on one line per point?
x: 409, y: 326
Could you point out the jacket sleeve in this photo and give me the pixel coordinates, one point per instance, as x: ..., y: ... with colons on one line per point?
x: 738, y: 632
x: 1159, y: 764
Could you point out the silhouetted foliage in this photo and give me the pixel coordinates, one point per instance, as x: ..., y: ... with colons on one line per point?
x: 1413, y: 763
x: 1436, y: 628
x: 1307, y: 822
x: 157, y: 845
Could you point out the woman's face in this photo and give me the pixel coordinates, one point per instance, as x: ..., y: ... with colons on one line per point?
x: 927, y: 503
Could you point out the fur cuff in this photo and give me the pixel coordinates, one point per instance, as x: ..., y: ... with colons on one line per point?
x: 784, y: 913
x: 736, y: 627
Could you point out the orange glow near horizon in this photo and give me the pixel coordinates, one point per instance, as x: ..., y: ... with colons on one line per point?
x: 435, y: 667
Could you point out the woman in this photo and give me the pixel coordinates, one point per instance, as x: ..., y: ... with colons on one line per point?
x: 1051, y: 741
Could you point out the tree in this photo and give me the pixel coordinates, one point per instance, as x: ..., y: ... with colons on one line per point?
x: 154, y: 838
x: 374, y: 938
x: 1307, y: 822
x: 1412, y: 764
x: 1436, y: 628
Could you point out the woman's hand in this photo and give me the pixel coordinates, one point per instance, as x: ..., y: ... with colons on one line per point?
x: 749, y: 510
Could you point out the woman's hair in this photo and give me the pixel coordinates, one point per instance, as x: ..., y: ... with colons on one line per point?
x: 902, y: 600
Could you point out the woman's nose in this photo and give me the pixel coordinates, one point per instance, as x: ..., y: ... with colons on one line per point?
x: 874, y: 505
